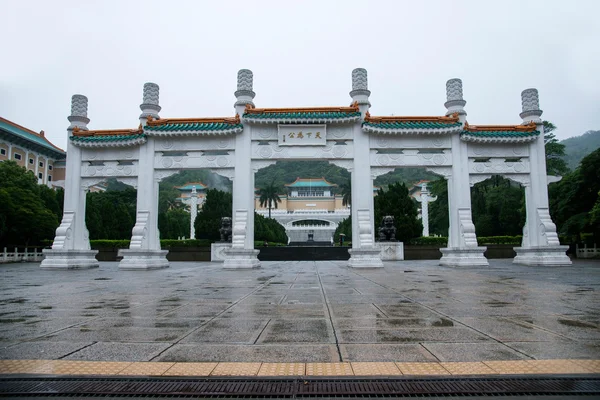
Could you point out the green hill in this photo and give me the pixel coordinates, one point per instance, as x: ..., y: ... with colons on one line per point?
x: 578, y: 147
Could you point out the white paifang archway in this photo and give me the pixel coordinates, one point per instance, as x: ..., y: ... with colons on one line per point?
x: 350, y: 137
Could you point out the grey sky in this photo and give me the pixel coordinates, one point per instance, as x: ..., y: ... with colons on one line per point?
x: 302, y: 54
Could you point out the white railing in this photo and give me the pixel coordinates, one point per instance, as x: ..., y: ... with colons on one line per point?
x: 311, y: 227
x: 18, y: 256
x: 587, y: 252
x: 340, y: 211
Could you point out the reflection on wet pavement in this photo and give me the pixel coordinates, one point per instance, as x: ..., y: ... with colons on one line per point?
x: 413, y: 311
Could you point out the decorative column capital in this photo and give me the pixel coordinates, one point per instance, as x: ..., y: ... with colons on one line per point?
x: 454, y: 97
x: 244, y: 92
x: 530, y: 103
x: 79, y: 109
x: 150, y: 102
x: 360, y: 87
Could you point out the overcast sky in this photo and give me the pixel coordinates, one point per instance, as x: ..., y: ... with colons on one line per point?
x: 302, y: 54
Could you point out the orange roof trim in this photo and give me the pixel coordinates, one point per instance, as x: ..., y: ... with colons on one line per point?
x: 504, y: 128
x: 107, y: 132
x: 252, y: 110
x: 447, y: 119
x: 41, y: 134
x: 164, y: 121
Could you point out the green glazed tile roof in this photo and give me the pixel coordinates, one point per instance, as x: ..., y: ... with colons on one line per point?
x: 29, y: 136
x: 303, y: 115
x: 506, y: 134
x: 411, y: 124
x: 188, y: 187
x: 106, y: 138
x: 194, y: 126
x: 303, y: 182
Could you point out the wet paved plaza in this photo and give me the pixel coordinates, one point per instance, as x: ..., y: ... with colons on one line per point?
x: 412, y: 311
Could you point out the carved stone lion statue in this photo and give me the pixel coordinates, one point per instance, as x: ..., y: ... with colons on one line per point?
x: 387, y: 230
x: 225, y: 230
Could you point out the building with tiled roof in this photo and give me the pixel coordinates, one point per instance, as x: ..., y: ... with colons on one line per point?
x: 33, y: 151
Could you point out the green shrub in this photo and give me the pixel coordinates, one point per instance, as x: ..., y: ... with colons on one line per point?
x: 169, y: 243
x: 516, y: 240
x: 119, y: 244
x: 429, y: 241
x: 261, y: 243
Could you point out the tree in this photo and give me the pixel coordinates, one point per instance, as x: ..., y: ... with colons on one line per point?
x: 267, y: 229
x: 555, y: 152
x: 111, y: 214
x: 439, y: 222
x: 346, y: 191
x: 25, y: 218
x: 269, y: 195
x: 396, y: 202
x: 573, y: 199
x: 217, y: 205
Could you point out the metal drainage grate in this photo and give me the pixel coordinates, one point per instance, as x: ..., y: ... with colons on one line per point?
x: 297, y: 387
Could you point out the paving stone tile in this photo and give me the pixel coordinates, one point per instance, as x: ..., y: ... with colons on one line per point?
x: 329, y: 369
x: 21, y: 366
x: 236, y: 369
x: 253, y: 353
x: 467, y: 368
x: 385, y: 352
x: 191, y: 369
x: 375, y: 368
x: 228, y: 330
x: 41, y: 350
x: 147, y: 368
x: 559, y: 367
x: 560, y: 349
x: 282, y: 369
x: 112, y: 351
x: 297, y: 331
x: 458, y: 335
x: 472, y: 351
x: 421, y: 368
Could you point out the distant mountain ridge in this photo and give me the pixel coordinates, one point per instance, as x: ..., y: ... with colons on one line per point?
x: 578, y: 147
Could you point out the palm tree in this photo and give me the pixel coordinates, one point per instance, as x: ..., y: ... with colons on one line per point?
x: 346, y: 190
x: 269, y: 196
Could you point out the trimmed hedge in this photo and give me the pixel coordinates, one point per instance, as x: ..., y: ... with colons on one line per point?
x: 481, y: 240
x: 261, y: 243
x: 165, y: 243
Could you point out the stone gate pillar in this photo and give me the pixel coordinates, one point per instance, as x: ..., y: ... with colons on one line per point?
x: 540, y: 244
x: 364, y: 254
x: 144, y: 251
x: 462, y: 249
x: 71, y: 247
x: 242, y: 253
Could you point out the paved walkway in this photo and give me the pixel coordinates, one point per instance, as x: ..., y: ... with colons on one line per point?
x: 303, y: 314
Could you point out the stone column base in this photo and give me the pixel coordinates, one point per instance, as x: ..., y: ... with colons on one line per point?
x: 466, y: 257
x: 241, y: 258
x: 69, y: 259
x: 390, y: 251
x: 134, y: 259
x: 217, y: 251
x: 365, y: 258
x: 554, y: 256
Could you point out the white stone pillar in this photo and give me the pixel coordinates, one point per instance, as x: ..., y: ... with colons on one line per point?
x: 144, y: 251
x: 242, y: 253
x: 193, y: 212
x: 71, y: 247
x: 425, y: 200
x: 462, y: 249
x: 363, y: 254
x: 540, y: 244
x: 37, y: 165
